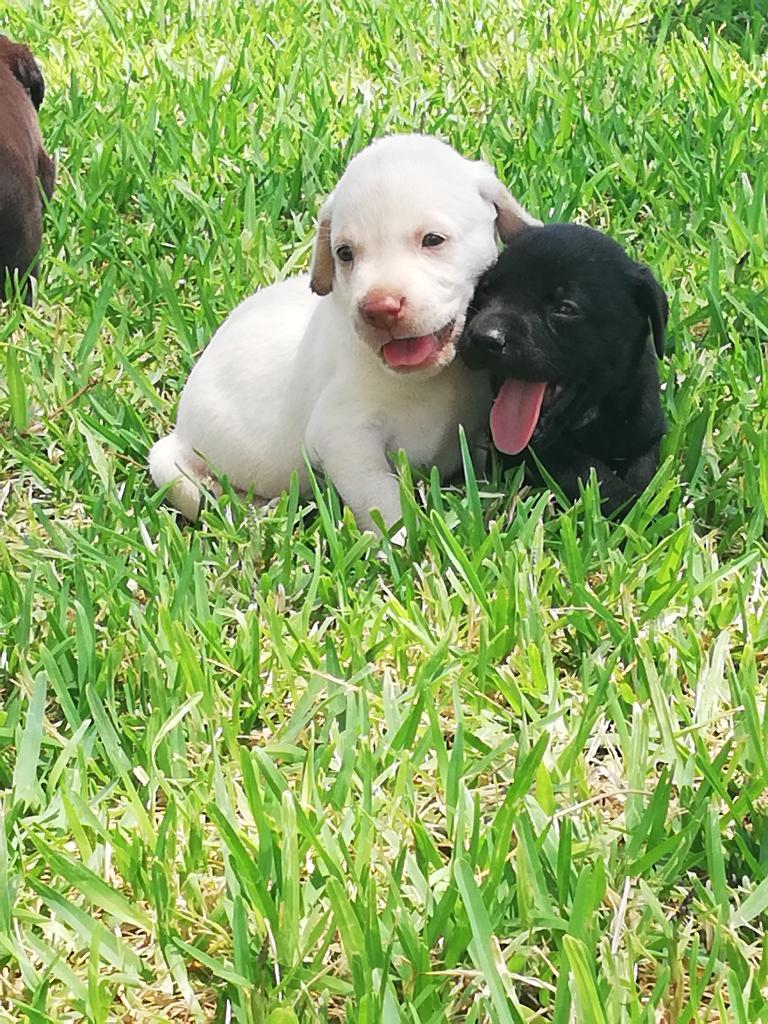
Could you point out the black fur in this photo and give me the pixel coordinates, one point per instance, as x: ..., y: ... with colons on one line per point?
x: 565, y: 305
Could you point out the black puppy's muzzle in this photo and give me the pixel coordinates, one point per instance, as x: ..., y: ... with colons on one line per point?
x: 480, y: 348
x: 485, y: 342
x: 504, y: 344
x: 490, y: 339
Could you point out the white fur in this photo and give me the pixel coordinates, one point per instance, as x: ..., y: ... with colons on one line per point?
x: 291, y: 370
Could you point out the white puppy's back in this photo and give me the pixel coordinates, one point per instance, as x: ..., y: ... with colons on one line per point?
x: 244, y: 408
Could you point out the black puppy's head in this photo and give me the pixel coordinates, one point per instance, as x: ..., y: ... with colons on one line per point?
x: 24, y: 69
x: 561, y: 320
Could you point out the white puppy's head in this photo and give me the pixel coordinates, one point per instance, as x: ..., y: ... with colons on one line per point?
x: 401, y: 242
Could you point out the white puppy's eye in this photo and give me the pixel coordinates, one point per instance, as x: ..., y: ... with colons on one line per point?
x: 567, y: 308
x: 344, y: 253
x: 431, y: 240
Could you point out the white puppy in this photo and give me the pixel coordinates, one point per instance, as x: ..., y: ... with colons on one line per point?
x: 365, y: 366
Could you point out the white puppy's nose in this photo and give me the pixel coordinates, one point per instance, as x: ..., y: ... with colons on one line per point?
x: 381, y: 309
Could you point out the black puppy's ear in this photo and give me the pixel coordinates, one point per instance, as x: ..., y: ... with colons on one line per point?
x: 25, y: 70
x: 652, y: 301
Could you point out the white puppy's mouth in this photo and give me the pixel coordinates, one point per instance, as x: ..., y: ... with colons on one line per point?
x: 408, y: 354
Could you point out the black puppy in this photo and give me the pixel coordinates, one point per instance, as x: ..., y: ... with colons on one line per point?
x: 23, y: 162
x: 562, y: 321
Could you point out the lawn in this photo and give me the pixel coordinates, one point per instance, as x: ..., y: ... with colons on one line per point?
x: 514, y: 771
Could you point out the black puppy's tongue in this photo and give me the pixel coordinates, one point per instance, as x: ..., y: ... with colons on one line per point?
x: 515, y: 414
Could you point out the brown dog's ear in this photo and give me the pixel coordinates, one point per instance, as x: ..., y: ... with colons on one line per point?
x: 511, y: 217
x: 321, y: 270
x: 652, y: 301
x: 24, y: 68
x: 46, y: 172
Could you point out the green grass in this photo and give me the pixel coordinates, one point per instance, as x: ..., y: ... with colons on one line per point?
x: 514, y: 772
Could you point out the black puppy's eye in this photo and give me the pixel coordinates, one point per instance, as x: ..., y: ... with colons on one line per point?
x: 344, y: 253
x: 431, y: 240
x: 566, y: 308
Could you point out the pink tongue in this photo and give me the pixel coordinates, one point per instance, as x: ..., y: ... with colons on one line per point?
x: 515, y: 414
x: 410, y: 351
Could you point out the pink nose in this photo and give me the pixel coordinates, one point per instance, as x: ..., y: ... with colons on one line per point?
x: 381, y: 309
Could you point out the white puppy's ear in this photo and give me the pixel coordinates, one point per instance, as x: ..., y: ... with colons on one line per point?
x: 321, y: 270
x: 511, y: 217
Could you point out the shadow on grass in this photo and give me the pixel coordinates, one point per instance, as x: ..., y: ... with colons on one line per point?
x: 741, y: 22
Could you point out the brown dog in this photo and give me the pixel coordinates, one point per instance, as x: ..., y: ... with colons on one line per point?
x: 22, y: 162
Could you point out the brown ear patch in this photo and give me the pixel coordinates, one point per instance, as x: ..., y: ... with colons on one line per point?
x: 511, y: 217
x: 321, y: 271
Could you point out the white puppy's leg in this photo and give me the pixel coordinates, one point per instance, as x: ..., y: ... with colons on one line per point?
x: 354, y: 458
x: 367, y: 486
x: 171, y: 463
